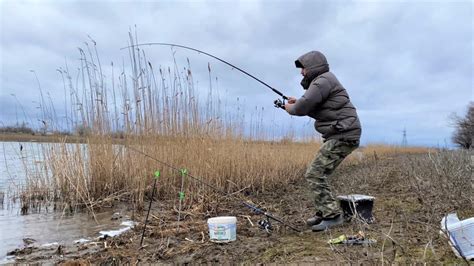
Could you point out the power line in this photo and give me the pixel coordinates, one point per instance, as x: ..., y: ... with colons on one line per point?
x: 404, y: 139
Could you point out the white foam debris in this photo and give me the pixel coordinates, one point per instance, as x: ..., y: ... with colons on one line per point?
x: 128, y: 223
x: 113, y: 233
x: 47, y: 245
x: 82, y: 241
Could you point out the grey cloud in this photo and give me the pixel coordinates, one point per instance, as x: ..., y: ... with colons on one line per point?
x: 404, y: 64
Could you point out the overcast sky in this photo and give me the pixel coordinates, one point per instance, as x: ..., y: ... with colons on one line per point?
x: 405, y: 64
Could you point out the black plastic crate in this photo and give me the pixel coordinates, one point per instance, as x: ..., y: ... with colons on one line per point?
x: 357, y: 205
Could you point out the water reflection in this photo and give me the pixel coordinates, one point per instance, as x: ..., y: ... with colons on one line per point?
x: 46, y: 226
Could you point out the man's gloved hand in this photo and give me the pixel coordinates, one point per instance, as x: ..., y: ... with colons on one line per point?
x: 291, y: 100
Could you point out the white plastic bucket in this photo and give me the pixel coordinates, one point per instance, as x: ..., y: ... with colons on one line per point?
x: 222, y: 229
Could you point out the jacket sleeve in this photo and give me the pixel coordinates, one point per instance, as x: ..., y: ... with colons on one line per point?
x: 316, y: 94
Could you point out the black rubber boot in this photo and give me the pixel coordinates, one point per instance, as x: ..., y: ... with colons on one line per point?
x: 316, y: 219
x: 327, y: 223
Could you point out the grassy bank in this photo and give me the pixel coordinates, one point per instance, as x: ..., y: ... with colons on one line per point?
x: 412, y: 193
x: 105, y: 170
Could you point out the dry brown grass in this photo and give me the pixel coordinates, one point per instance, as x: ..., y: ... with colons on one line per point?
x: 81, y: 174
x: 413, y: 192
x: 104, y: 169
x: 383, y: 149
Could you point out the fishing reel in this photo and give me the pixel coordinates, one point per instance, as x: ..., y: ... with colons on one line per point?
x: 266, y: 225
x: 279, y: 103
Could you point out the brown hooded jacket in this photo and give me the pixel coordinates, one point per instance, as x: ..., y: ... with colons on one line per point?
x: 326, y: 100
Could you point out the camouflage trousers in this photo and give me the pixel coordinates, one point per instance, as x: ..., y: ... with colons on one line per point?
x: 329, y: 156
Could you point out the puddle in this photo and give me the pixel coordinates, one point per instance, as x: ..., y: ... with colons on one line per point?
x: 49, y: 229
x: 45, y: 229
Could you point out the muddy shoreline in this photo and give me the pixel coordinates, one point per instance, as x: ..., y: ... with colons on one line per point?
x: 406, y: 226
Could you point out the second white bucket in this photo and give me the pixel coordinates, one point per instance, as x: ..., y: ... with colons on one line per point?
x: 222, y: 229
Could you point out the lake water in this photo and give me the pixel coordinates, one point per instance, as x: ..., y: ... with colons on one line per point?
x: 47, y: 226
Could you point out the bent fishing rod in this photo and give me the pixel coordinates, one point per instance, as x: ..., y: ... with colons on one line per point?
x: 264, y: 224
x: 278, y: 103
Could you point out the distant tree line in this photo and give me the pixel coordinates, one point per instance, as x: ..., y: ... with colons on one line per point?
x: 23, y: 128
x: 80, y: 130
x: 464, y: 128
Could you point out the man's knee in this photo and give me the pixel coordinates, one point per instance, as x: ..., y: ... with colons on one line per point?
x: 310, y: 176
x: 318, y: 184
x: 314, y: 172
x: 315, y: 178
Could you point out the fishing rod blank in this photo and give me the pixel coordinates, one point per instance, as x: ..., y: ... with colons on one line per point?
x: 157, y: 175
x: 181, y: 196
x: 213, y: 56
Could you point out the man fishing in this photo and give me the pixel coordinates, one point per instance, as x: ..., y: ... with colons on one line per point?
x: 325, y: 100
x: 328, y: 103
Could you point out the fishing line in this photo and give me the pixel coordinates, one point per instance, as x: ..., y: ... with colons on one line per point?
x: 213, y: 56
x: 250, y: 206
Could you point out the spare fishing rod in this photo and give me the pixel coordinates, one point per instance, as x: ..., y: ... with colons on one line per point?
x: 264, y: 224
x: 278, y: 103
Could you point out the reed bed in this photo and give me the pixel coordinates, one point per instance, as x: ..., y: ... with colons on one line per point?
x: 104, y: 169
x: 159, y: 112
